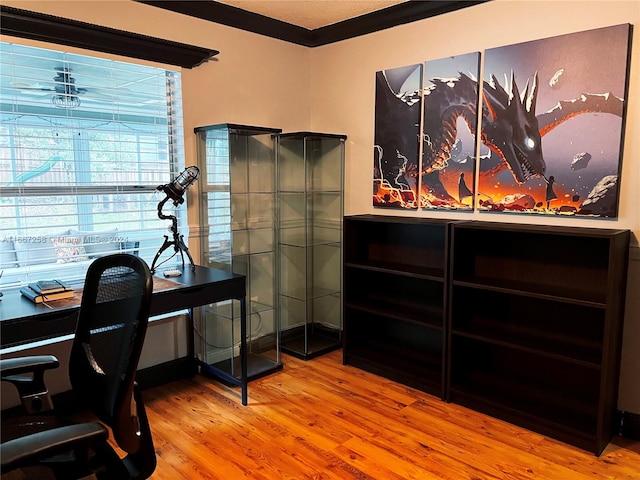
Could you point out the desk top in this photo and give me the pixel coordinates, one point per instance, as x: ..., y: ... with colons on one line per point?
x: 22, y: 321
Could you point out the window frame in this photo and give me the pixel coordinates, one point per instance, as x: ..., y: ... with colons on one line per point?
x: 174, y: 162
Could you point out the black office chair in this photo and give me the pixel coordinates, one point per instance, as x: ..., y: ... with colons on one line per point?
x: 110, y: 331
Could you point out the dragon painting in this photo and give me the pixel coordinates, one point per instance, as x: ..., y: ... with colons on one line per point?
x: 511, y: 134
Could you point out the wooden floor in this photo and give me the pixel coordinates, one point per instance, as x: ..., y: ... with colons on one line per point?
x: 322, y: 420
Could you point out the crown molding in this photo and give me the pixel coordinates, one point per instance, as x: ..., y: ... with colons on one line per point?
x: 395, y: 15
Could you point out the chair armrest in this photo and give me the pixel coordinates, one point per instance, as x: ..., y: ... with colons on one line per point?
x: 20, y: 365
x: 27, y: 375
x: 39, y: 446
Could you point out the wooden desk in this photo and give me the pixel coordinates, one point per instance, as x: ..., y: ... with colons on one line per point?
x: 22, y: 321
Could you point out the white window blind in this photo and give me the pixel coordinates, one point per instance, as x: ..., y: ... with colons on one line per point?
x: 84, y: 143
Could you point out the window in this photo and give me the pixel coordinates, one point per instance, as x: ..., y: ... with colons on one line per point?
x: 84, y: 144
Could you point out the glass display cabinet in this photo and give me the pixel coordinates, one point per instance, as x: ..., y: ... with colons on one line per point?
x: 238, y: 201
x: 310, y: 207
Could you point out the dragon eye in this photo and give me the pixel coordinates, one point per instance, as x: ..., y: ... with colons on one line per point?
x: 529, y: 143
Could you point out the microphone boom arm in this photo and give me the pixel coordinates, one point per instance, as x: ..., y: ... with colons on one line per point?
x: 177, y: 242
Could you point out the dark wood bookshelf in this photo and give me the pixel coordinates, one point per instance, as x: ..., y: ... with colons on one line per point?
x: 395, y: 287
x: 521, y: 322
x: 535, y: 325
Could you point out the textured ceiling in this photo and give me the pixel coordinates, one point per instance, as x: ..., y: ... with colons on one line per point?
x: 311, y: 14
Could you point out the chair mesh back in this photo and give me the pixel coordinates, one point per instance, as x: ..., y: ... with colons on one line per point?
x: 109, y: 335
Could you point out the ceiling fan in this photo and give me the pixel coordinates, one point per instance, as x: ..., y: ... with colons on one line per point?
x: 66, y: 94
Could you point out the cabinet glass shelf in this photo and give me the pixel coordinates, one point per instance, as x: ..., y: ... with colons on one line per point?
x: 310, y: 198
x: 238, y: 213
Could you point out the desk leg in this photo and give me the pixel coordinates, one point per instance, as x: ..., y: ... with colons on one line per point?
x: 243, y: 348
x: 191, y: 352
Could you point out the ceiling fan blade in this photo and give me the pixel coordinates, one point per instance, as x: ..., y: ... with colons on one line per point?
x: 30, y: 86
x: 36, y: 93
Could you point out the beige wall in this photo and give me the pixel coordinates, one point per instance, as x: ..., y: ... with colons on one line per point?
x: 260, y: 81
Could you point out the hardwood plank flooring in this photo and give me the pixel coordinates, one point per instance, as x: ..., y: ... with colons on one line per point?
x: 322, y: 420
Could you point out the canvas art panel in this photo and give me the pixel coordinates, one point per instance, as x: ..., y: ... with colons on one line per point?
x: 396, y: 137
x: 552, y: 124
x: 448, y: 132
